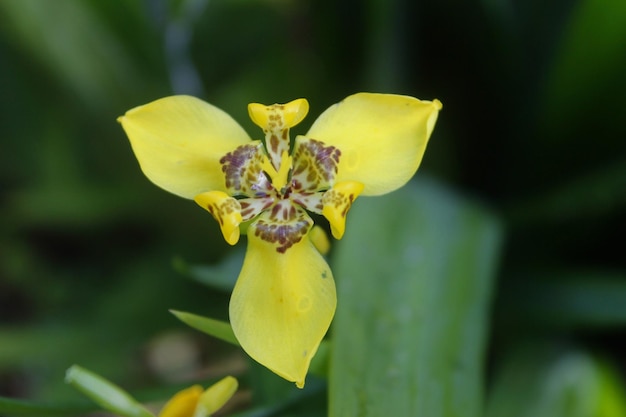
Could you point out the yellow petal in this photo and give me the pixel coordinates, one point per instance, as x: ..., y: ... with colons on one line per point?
x: 337, y: 202
x: 382, y: 138
x: 216, y: 396
x: 275, y: 120
x: 183, y: 403
x: 278, y: 116
x: 179, y: 141
x: 295, y: 111
x: 282, y: 305
x: 226, y: 210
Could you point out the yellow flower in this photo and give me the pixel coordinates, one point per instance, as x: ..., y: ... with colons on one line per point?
x: 190, y: 402
x: 284, y: 299
x: 194, y: 402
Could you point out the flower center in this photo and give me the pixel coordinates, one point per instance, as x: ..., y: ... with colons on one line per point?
x: 276, y: 183
x: 280, y: 178
x: 288, y: 173
x: 282, y: 181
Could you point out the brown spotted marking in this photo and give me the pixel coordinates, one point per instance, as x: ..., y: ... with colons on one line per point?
x: 243, y: 171
x: 315, y: 165
x: 276, y: 134
x: 252, y: 207
x: 283, y: 233
x: 338, y: 200
x: 310, y: 201
x: 282, y: 219
x: 223, y: 209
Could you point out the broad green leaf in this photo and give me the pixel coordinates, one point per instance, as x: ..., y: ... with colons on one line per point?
x: 547, y: 381
x: 104, y: 393
x: 215, y: 328
x: 414, y: 275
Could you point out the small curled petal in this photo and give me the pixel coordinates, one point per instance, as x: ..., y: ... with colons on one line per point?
x: 278, y: 116
x: 226, y: 210
x: 337, y: 202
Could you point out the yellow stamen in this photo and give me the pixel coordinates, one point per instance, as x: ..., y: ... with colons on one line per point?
x: 282, y: 176
x: 269, y: 169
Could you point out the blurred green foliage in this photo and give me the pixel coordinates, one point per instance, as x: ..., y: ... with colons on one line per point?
x: 92, y: 255
x: 409, y: 334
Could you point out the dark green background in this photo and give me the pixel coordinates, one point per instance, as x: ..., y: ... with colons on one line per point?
x: 92, y: 255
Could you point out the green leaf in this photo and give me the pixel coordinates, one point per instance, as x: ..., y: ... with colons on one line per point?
x: 79, y: 49
x: 221, y: 276
x: 594, y: 194
x: 565, y: 298
x: 414, y: 275
x: 308, y: 402
x: 320, y: 362
x: 588, y: 69
x: 104, y: 393
x: 215, y: 328
x: 612, y: 392
x: 14, y: 408
x: 546, y: 381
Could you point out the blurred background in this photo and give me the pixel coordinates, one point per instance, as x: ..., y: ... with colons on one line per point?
x: 92, y: 255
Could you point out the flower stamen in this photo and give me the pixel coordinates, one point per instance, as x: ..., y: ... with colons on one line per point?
x: 279, y: 178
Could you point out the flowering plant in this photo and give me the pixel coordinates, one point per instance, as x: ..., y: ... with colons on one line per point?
x: 284, y: 299
x: 190, y: 402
